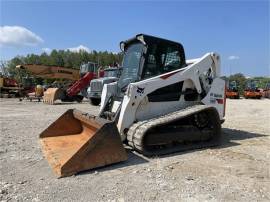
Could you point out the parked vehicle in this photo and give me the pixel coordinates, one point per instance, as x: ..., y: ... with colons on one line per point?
x: 94, y: 91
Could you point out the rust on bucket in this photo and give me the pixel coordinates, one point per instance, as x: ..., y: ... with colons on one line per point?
x: 77, y: 142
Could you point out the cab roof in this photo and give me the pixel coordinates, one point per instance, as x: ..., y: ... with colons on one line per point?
x: 148, y: 39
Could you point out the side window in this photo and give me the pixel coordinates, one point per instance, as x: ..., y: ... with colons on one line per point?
x: 150, y: 67
x: 161, y: 59
x: 172, y: 60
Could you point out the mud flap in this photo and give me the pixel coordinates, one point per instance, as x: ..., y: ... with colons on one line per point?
x: 76, y: 142
x: 52, y: 94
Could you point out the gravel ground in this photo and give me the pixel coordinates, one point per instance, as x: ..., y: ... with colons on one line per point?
x: 238, y: 170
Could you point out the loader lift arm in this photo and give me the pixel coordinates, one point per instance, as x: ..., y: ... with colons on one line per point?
x: 80, y: 84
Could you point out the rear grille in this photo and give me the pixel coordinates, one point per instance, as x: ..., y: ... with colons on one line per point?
x: 96, y: 86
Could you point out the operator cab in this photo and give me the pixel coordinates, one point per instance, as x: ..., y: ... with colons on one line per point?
x: 148, y: 56
x: 232, y: 85
x: 252, y: 85
x: 88, y: 67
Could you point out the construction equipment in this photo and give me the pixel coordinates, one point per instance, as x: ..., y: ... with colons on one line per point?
x: 88, y: 72
x: 232, y: 90
x: 162, y: 103
x: 111, y: 75
x: 252, y: 90
x: 37, y: 94
x: 51, y: 72
x: 9, y: 87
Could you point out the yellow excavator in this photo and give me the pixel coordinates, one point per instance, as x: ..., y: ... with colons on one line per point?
x: 51, y: 72
x: 68, y: 91
x: 162, y: 103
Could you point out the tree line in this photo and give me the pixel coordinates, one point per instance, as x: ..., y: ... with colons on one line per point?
x: 64, y: 58
x: 67, y: 58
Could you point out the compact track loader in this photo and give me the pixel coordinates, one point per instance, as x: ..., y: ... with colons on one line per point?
x: 162, y: 103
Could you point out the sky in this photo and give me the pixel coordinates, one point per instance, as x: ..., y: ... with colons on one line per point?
x: 237, y: 30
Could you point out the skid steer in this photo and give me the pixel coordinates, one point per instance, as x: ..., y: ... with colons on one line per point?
x: 162, y: 103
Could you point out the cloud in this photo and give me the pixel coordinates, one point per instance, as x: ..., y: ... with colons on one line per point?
x: 80, y: 48
x: 46, y: 50
x: 233, y: 57
x: 16, y: 36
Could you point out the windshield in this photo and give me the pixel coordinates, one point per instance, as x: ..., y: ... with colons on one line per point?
x: 110, y: 73
x: 252, y: 85
x: 88, y: 67
x: 131, y: 64
x: 232, y: 85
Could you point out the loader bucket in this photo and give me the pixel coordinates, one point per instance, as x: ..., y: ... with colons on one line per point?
x: 76, y: 142
x: 52, y: 94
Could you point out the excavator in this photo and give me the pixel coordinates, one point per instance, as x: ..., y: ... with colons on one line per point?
x: 88, y: 71
x: 252, y: 90
x: 232, y: 90
x: 162, y: 103
x: 68, y: 92
x: 51, y: 72
x: 45, y: 71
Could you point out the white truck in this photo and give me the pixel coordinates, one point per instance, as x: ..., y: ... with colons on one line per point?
x: 94, y: 91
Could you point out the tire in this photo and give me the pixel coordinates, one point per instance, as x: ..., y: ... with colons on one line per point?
x: 95, y: 101
x: 78, y: 98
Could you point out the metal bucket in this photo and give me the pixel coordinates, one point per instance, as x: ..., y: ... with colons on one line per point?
x: 52, y: 94
x: 76, y: 142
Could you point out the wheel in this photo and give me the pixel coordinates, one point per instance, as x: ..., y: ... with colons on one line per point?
x: 78, y: 98
x: 95, y: 101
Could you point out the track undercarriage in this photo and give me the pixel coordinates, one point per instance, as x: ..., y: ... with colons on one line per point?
x: 191, y: 128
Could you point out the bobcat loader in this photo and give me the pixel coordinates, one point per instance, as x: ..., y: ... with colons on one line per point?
x: 162, y: 103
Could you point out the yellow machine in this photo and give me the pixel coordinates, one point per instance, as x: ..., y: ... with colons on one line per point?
x: 56, y: 72
x: 37, y: 95
x: 51, y: 72
x: 9, y: 87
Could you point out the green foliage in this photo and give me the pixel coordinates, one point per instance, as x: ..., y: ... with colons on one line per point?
x: 262, y: 81
x: 63, y: 58
x: 67, y: 58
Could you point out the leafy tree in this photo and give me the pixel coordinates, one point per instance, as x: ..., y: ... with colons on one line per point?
x: 64, y: 58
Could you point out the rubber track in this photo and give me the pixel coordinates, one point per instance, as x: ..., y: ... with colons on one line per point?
x: 137, y: 131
